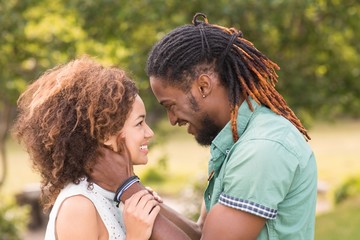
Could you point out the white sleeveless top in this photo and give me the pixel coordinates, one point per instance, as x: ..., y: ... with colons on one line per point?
x: 103, y: 202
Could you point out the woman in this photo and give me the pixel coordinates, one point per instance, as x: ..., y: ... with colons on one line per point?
x: 65, y: 119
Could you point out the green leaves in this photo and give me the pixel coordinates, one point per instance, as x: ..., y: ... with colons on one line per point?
x: 315, y: 42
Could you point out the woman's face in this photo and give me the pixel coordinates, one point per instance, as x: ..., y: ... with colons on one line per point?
x: 136, y: 134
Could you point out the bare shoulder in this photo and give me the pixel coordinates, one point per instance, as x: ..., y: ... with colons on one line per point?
x: 77, y: 217
x: 77, y: 204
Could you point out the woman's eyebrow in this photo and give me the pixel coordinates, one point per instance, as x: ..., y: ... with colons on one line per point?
x: 141, y: 116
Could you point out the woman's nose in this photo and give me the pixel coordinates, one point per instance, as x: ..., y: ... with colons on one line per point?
x: 149, y: 132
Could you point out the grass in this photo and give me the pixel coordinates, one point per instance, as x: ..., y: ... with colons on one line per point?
x: 341, y: 223
x: 337, y: 147
x: 337, y: 150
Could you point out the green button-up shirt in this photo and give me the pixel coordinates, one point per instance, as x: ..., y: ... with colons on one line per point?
x: 270, y: 172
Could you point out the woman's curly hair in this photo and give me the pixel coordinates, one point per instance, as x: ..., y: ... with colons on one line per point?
x: 65, y: 116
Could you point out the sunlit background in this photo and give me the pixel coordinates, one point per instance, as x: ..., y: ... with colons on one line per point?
x: 315, y: 42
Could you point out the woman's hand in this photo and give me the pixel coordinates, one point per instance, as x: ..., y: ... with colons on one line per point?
x: 155, y: 194
x: 140, y: 211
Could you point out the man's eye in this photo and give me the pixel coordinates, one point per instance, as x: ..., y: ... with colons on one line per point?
x: 169, y: 107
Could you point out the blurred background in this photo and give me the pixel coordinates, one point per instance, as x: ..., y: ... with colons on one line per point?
x: 315, y: 42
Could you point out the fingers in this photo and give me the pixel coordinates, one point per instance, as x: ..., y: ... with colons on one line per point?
x: 123, y: 151
x: 156, y: 196
x: 155, y: 211
x: 121, y: 160
x: 141, y: 204
x: 140, y: 212
x: 139, y: 200
x: 111, y: 169
x: 136, y: 197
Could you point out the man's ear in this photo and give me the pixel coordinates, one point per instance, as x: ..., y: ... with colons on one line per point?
x: 204, y: 85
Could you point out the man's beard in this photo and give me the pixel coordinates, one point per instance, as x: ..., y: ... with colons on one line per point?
x: 208, y: 131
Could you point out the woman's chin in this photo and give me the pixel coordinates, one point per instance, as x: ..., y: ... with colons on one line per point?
x: 139, y: 163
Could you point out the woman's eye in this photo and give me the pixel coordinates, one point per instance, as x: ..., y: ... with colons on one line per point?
x: 139, y: 123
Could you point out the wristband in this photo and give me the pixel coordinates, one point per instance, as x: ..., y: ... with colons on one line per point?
x: 130, y: 181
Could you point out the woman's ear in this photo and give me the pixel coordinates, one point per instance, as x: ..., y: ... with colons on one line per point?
x: 111, y: 143
x: 120, y: 142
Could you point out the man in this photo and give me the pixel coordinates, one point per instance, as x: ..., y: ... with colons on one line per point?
x: 262, y: 173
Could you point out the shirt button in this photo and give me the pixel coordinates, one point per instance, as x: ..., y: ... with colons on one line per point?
x: 209, y: 196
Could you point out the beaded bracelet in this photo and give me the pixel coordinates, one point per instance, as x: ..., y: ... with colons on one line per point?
x: 130, y: 181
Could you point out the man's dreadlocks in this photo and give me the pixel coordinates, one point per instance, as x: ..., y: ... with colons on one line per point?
x: 182, y: 54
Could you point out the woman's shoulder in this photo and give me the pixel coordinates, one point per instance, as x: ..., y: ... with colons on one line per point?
x: 77, y: 203
x: 77, y: 215
x: 74, y: 199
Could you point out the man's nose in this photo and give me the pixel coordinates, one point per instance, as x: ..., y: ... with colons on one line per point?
x: 172, y: 118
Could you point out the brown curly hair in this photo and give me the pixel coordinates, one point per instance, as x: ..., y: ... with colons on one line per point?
x: 65, y: 116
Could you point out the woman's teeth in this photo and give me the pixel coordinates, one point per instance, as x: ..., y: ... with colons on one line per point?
x: 143, y: 147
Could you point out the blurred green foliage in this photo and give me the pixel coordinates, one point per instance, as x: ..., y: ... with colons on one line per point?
x: 315, y: 42
x: 13, y: 219
x: 155, y: 174
x: 340, y: 223
x: 349, y: 188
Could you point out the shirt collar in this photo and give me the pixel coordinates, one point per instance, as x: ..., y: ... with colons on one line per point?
x: 224, y: 141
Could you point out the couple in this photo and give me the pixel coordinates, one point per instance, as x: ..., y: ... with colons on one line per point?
x: 84, y: 126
